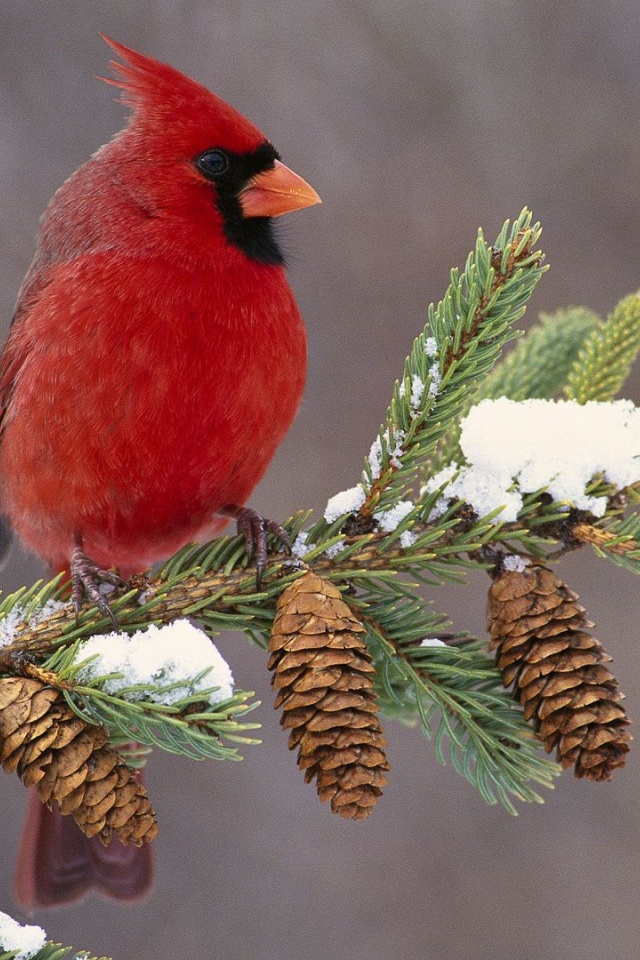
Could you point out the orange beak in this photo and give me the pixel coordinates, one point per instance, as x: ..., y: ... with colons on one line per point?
x: 276, y: 191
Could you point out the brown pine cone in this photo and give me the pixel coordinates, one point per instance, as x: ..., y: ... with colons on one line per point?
x: 324, y: 678
x: 558, y: 670
x: 68, y: 763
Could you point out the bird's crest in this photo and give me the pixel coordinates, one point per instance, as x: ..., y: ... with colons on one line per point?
x: 158, y: 93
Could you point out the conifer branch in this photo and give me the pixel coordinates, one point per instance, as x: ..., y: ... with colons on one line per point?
x: 461, y: 342
x: 604, y: 362
x: 618, y: 541
x: 454, y: 693
x: 537, y: 365
x: 379, y: 547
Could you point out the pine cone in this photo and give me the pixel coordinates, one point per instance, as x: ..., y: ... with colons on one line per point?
x: 68, y: 763
x: 324, y: 677
x: 538, y: 630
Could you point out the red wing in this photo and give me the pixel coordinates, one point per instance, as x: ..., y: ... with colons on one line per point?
x: 18, y: 344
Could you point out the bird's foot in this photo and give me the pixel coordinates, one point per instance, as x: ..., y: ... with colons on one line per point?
x: 254, y: 529
x: 86, y: 577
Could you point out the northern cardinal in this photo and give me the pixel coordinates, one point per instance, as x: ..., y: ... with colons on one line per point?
x: 156, y: 359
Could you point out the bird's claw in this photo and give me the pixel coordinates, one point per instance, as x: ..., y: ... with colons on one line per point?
x: 254, y: 528
x: 86, y: 577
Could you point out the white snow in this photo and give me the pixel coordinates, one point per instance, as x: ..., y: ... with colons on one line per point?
x: 436, y: 379
x: 8, y: 624
x: 27, y: 940
x: 301, y: 545
x: 335, y: 549
x: 432, y: 642
x: 514, y: 562
x: 417, y: 391
x: 175, y: 653
x: 437, y: 481
x: 431, y: 346
x: 407, y: 539
x: 393, y: 441
x: 513, y: 448
x: 391, y: 519
x: 347, y: 501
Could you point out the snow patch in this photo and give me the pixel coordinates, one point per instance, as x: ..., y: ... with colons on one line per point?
x: 431, y: 346
x: 172, y: 654
x: 335, y: 549
x: 9, y: 624
x: 417, y: 391
x: 391, y: 519
x: 393, y: 441
x: 514, y: 563
x: 513, y: 448
x: 27, y: 940
x: 436, y: 379
x: 301, y: 545
x: 347, y: 501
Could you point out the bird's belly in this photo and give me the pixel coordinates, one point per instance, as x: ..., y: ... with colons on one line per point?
x: 140, y: 471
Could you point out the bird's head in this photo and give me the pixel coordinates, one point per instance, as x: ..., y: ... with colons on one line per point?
x: 187, y: 151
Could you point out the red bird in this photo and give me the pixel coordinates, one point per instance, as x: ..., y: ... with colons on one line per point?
x: 156, y: 360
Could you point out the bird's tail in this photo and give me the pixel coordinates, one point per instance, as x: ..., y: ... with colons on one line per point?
x: 57, y: 864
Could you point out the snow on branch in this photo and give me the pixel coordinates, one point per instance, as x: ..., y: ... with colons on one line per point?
x: 470, y: 469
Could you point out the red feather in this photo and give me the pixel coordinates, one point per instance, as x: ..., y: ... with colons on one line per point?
x: 157, y: 356
x: 58, y: 864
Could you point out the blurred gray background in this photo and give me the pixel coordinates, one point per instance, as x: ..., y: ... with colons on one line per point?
x: 417, y: 122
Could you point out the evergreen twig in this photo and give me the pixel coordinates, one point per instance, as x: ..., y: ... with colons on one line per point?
x: 383, y: 552
x: 603, y: 364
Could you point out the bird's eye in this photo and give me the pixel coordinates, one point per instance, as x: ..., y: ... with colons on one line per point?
x: 213, y: 163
